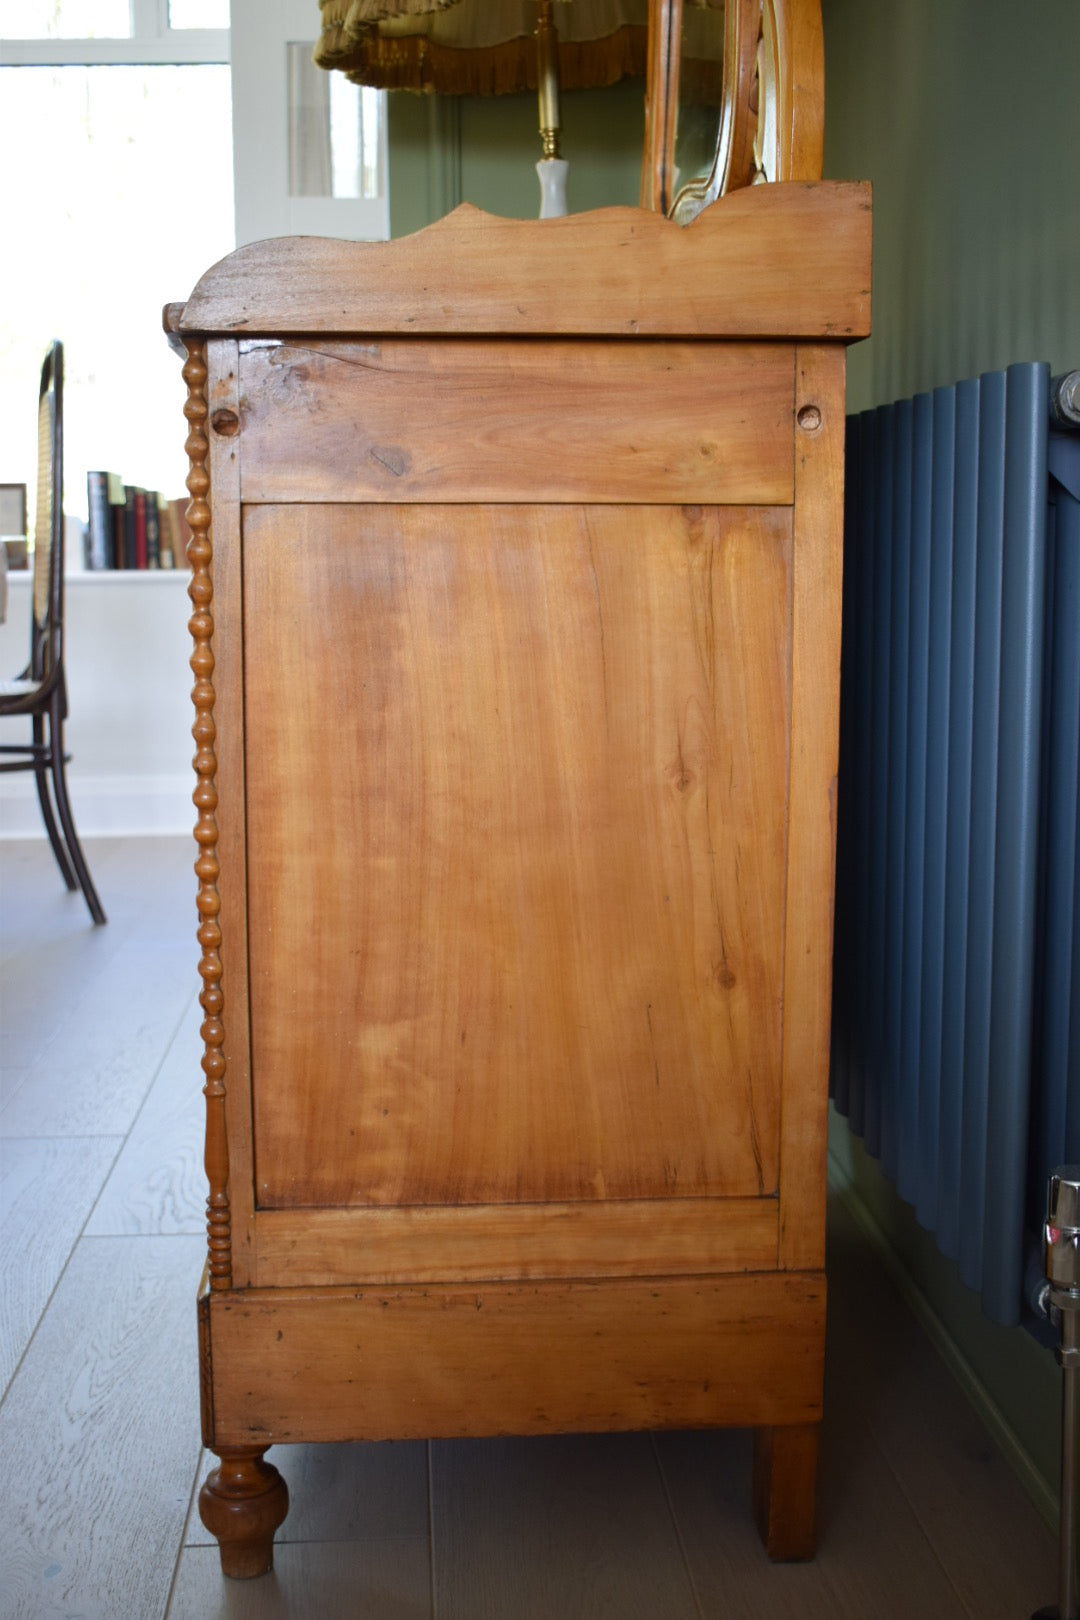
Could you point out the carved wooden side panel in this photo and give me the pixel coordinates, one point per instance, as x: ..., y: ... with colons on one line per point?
x: 201, y: 624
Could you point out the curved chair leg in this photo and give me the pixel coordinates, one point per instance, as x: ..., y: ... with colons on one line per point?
x: 67, y: 821
x: 41, y: 777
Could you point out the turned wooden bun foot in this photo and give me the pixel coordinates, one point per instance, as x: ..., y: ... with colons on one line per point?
x: 242, y: 1504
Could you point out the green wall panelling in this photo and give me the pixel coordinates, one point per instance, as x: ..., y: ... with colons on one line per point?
x: 963, y: 114
x: 445, y: 150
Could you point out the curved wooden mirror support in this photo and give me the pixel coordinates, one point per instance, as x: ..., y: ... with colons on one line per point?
x: 736, y: 96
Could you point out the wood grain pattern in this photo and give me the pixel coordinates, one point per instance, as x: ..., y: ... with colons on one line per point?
x: 81, y: 1022
x: 661, y: 105
x: 528, y: 704
x: 22, y: 971
x: 55, y: 947
x: 99, y: 1436
x: 882, y: 1556
x: 157, y: 1182
x: 11, y: 1080
x: 475, y: 1243
x: 372, y: 1578
x: 883, y: 1373
x: 93, y: 1076
x: 783, y: 261
x: 872, y: 1555
x: 47, y: 1188
x: 706, y: 1474
x: 547, y: 1358
x: 525, y: 942
x: 800, y: 59
x: 478, y: 421
x: 501, y: 1507
x: 819, y: 480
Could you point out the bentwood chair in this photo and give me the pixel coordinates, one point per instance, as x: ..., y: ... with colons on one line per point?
x: 40, y: 692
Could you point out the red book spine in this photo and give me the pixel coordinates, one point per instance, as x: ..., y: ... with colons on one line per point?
x: 141, y: 559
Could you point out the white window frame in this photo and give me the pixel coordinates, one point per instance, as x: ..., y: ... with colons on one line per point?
x: 261, y: 30
x: 254, y: 48
x: 152, y: 42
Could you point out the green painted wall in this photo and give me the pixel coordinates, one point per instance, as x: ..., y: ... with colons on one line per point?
x: 963, y: 113
x: 466, y: 149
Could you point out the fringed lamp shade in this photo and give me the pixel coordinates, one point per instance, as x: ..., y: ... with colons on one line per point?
x: 480, y: 47
x: 734, y: 91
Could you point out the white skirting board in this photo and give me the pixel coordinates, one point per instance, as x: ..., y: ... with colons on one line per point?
x: 128, y: 731
x: 103, y: 806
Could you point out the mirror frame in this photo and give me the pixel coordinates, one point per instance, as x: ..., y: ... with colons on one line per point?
x: 772, y: 117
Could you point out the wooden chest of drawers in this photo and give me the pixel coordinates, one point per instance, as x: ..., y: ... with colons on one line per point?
x: 516, y: 572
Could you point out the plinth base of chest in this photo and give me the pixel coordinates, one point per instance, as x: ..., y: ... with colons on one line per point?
x: 450, y: 1360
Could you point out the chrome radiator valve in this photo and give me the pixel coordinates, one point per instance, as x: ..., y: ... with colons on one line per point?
x: 1062, y: 1237
x: 1062, y: 1248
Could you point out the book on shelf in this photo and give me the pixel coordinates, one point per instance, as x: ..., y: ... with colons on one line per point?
x: 128, y: 553
x: 153, y: 531
x: 116, y: 516
x: 133, y: 528
x: 179, y: 532
x: 97, y: 497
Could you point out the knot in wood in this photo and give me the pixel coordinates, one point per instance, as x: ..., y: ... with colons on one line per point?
x: 225, y: 422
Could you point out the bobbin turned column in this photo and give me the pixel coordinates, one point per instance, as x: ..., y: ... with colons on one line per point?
x: 242, y: 1504
x: 244, y: 1499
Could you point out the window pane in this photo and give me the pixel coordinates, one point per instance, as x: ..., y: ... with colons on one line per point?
x: 333, y: 131
x: 115, y: 208
x: 198, y: 13
x: 65, y: 19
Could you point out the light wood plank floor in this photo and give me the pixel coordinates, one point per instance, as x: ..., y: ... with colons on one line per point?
x: 100, y: 1248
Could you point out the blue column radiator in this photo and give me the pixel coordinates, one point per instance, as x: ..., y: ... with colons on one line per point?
x: 956, y: 999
